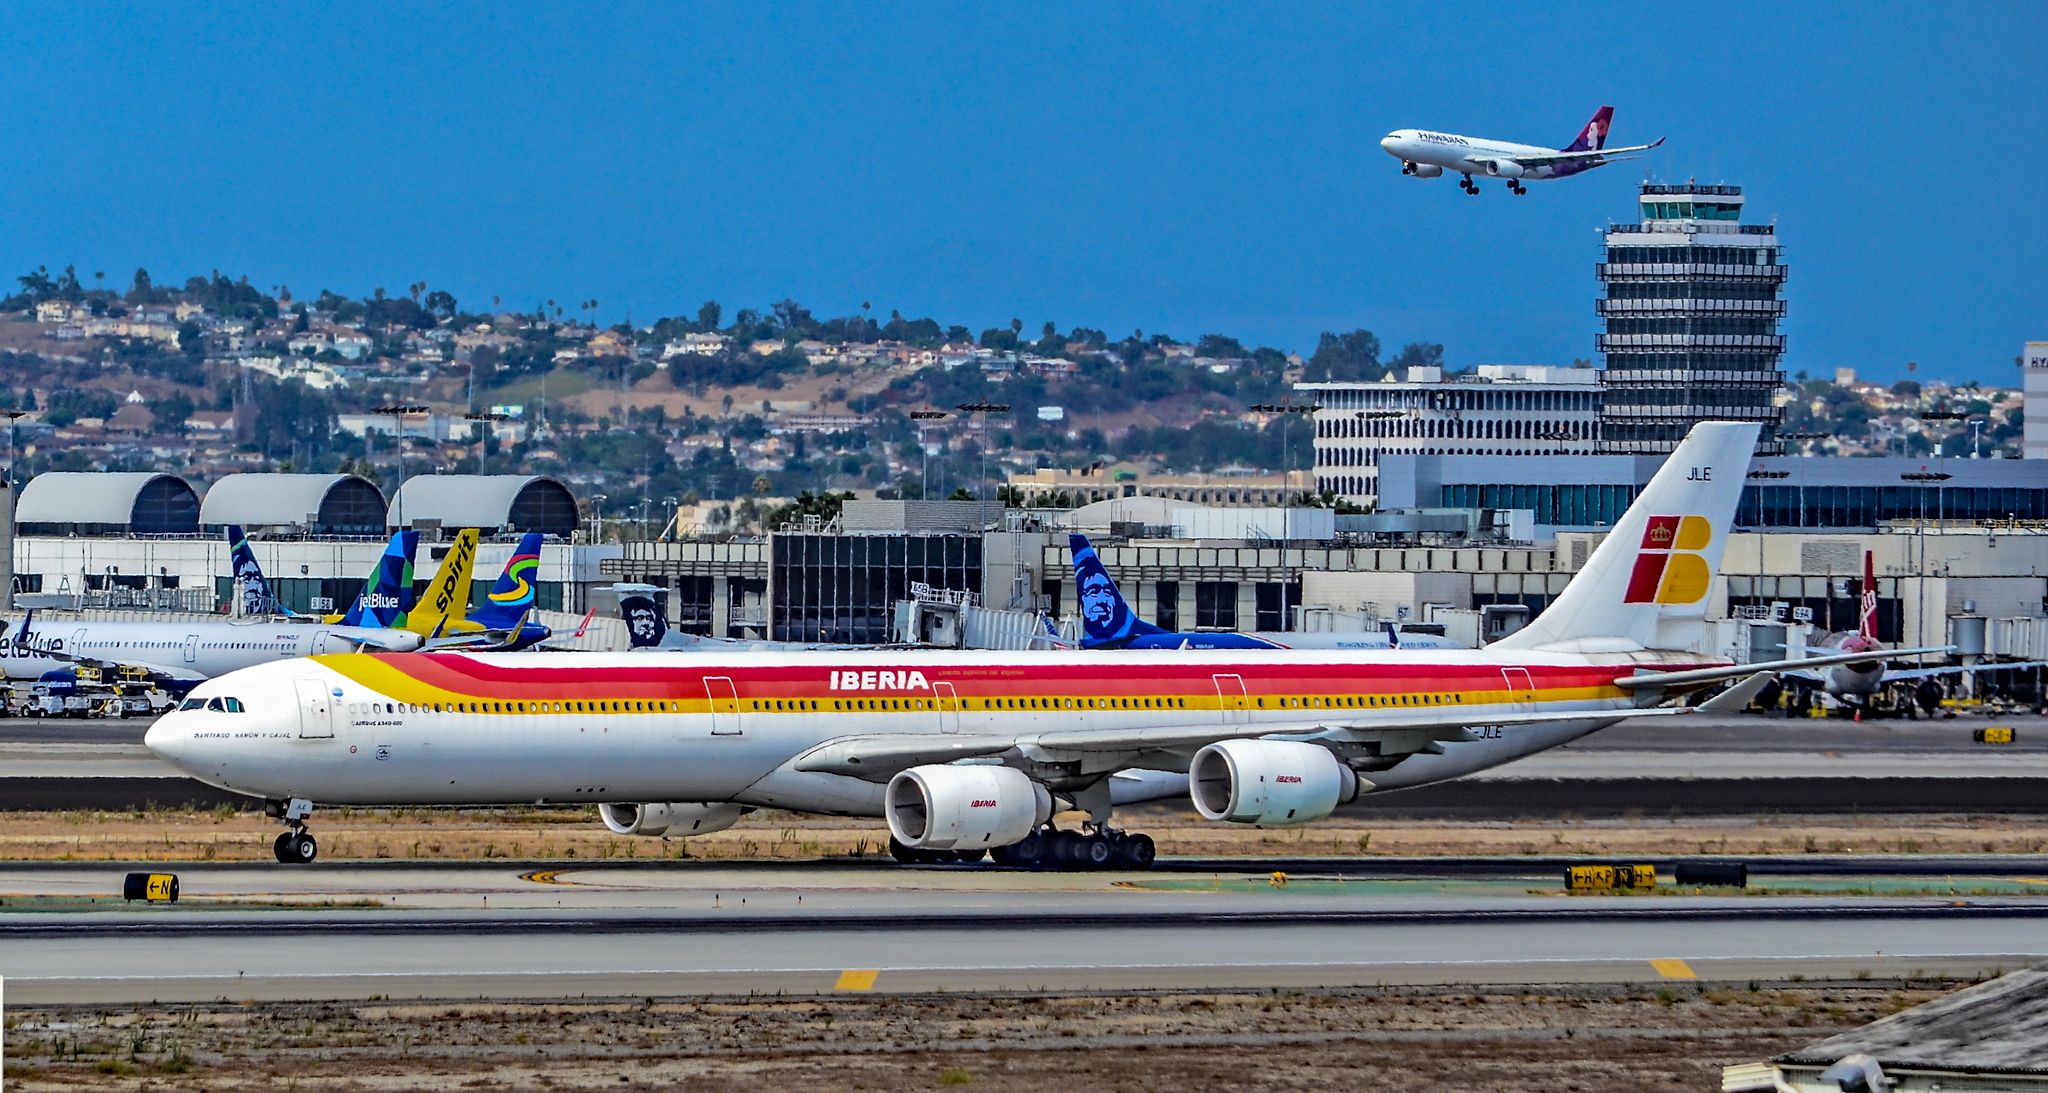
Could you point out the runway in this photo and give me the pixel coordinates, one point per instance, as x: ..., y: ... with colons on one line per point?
x: 511, y: 932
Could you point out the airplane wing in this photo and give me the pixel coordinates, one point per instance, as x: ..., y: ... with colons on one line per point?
x: 1372, y: 742
x: 1958, y: 669
x: 125, y: 669
x: 1602, y: 154
x: 1700, y: 677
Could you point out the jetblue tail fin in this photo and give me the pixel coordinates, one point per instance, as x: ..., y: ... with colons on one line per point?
x: 512, y: 597
x: 645, y: 628
x: 250, y: 584
x: 1648, y: 583
x: 384, y: 598
x: 1594, y: 136
x: 1106, y: 619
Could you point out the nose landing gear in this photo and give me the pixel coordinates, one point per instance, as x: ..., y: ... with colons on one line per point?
x: 297, y: 845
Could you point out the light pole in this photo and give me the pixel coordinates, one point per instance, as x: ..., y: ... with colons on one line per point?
x: 597, y: 517
x: 482, y: 422
x: 1920, y: 532
x: 1287, y: 412
x: 983, y: 410
x: 399, y: 411
x: 671, y: 502
x: 925, y: 419
x: 13, y: 416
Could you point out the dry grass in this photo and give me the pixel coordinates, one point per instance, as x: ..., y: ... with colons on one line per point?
x: 575, y: 834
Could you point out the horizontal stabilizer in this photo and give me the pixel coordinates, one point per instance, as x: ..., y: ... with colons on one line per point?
x: 1702, y: 676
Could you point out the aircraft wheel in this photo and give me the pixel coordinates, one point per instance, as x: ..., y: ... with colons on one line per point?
x: 904, y: 854
x: 282, y: 847
x: 1094, y: 851
x: 968, y: 857
x: 304, y: 849
x: 1031, y: 850
x: 1061, y: 849
x: 1136, y: 852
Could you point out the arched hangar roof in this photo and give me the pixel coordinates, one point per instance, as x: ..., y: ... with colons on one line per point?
x: 494, y: 502
x: 107, y: 503
x: 337, y: 504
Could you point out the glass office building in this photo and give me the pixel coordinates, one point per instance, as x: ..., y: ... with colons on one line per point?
x: 1690, y: 308
x: 844, y: 588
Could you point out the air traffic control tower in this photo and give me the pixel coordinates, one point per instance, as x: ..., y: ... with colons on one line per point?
x: 1690, y: 306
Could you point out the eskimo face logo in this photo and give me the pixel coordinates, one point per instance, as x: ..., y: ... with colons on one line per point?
x: 640, y: 620
x: 1670, y: 568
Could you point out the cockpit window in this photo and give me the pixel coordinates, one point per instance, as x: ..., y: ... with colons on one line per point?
x: 214, y: 704
x: 234, y: 705
x: 192, y: 704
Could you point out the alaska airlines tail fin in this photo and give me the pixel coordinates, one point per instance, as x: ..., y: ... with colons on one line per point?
x: 512, y: 597
x: 645, y: 628
x: 388, y: 592
x: 1106, y: 619
x: 251, y: 587
x: 444, y: 606
x: 1648, y: 584
x: 1868, y: 596
x: 1594, y: 136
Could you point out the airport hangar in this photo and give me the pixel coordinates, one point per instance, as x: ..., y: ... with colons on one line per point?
x: 1459, y: 534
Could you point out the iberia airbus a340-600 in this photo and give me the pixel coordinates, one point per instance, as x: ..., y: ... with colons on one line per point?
x: 967, y: 753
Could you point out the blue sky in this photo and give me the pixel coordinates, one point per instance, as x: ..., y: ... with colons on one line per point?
x: 1180, y: 168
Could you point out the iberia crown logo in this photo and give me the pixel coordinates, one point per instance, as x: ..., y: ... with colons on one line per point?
x: 1670, y: 569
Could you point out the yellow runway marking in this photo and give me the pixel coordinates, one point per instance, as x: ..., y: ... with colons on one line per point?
x: 1673, y: 969
x: 857, y: 979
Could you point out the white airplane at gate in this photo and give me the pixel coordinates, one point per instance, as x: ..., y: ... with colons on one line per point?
x: 1426, y: 153
x: 969, y: 752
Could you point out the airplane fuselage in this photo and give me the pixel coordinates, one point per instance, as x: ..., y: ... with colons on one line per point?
x: 454, y: 729
x: 182, y: 653
x: 1478, y: 155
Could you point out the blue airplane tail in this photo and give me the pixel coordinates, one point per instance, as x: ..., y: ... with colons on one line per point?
x: 252, y: 585
x: 1106, y: 619
x: 384, y: 600
x: 509, y: 601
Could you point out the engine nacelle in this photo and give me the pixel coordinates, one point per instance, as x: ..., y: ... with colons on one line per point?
x: 1504, y: 169
x: 670, y: 819
x: 1422, y: 170
x: 1272, y: 782
x: 962, y: 808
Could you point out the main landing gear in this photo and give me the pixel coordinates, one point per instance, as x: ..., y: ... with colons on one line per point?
x: 1466, y: 184
x: 1516, y: 188
x: 1048, y: 848
x: 297, y: 845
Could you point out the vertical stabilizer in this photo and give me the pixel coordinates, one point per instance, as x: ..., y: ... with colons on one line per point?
x: 1648, y: 584
x: 1867, y: 614
x: 1593, y: 137
x: 1106, y: 618
x: 645, y: 628
x: 252, y: 590
x: 514, y: 595
x: 388, y: 592
x: 444, y: 606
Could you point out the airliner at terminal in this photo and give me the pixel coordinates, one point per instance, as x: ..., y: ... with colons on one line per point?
x: 968, y: 753
x: 1426, y: 153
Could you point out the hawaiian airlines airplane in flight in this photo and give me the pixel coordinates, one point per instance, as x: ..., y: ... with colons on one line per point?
x: 1426, y: 153
x: 967, y: 753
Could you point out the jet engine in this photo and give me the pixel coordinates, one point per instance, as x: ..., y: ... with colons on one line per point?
x: 1422, y: 170
x: 1273, y: 782
x: 964, y: 808
x: 670, y: 819
x: 1501, y: 168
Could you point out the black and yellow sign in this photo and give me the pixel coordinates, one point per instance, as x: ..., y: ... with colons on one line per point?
x: 1605, y: 878
x: 1998, y: 735
x: 151, y: 887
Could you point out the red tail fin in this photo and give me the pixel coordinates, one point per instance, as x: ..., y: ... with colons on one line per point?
x: 1869, y: 605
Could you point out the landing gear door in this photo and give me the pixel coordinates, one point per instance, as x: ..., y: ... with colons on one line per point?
x: 948, y: 702
x: 725, y: 705
x: 316, y: 710
x: 1230, y: 699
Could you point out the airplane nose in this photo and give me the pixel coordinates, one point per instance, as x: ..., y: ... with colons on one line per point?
x: 1387, y: 142
x: 167, y: 739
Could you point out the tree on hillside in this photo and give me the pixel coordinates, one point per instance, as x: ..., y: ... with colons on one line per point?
x: 708, y: 315
x: 1418, y: 355
x: 1345, y: 357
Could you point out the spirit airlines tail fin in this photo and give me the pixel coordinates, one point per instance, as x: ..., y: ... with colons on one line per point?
x: 444, y: 606
x: 1594, y: 136
x: 388, y: 592
x: 1647, y: 585
x: 1868, y: 595
x: 1106, y: 619
x: 512, y: 597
